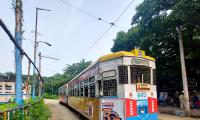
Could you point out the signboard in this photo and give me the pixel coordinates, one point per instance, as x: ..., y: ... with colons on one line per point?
x: 111, y: 73
x: 152, y: 105
x: 131, y: 108
x: 142, y: 87
x: 140, y: 62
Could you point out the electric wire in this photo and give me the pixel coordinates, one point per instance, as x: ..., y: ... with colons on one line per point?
x: 2, y: 24
x: 92, y: 15
x: 97, y: 40
x: 111, y: 25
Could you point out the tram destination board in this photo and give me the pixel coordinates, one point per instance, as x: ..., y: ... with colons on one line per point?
x: 142, y: 87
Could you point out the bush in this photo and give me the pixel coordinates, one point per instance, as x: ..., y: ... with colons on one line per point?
x: 50, y: 96
x: 37, y: 111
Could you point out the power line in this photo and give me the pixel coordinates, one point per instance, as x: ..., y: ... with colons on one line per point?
x: 111, y: 25
x: 92, y: 15
x: 97, y: 40
x: 2, y: 24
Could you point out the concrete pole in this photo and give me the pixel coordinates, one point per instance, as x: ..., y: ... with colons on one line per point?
x: 40, y: 87
x: 27, y: 81
x: 35, y: 52
x: 184, y: 75
x: 18, y: 56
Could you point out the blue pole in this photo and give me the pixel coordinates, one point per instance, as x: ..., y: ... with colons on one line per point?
x: 18, y: 62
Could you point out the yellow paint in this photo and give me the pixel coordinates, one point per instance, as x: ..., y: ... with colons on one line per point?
x: 4, y: 115
x: 132, y: 53
x: 81, y: 104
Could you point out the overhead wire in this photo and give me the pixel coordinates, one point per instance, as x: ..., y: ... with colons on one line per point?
x: 91, y: 15
x: 111, y: 25
x: 2, y: 24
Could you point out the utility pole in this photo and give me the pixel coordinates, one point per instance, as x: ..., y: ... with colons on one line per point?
x: 18, y: 56
x: 35, y: 47
x: 40, y: 86
x: 27, y: 81
x: 35, y: 51
x: 184, y: 75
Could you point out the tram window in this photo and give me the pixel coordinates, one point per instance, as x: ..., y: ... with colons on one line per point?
x: 92, y: 79
x: 92, y: 90
x: 154, y: 76
x: 110, y: 88
x: 78, y: 92
x: 75, y: 92
x: 123, y: 74
x: 8, y: 87
x: 81, y: 94
x: 70, y: 92
x: 140, y: 74
x: 86, y: 82
x: 86, y: 90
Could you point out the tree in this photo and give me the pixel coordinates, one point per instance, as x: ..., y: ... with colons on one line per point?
x: 54, y: 82
x: 155, y: 24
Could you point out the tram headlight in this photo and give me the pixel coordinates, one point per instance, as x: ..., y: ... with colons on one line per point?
x: 142, y: 111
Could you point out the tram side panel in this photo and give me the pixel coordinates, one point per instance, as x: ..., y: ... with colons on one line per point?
x: 89, y: 107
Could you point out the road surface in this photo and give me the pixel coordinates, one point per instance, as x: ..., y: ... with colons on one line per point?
x: 60, y: 112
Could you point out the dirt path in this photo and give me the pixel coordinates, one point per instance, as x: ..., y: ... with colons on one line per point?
x: 174, y: 117
x: 60, y: 112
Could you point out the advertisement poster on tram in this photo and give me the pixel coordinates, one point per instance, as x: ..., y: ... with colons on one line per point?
x: 112, y: 109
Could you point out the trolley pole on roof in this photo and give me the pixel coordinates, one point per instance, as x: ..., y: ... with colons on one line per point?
x: 18, y: 55
x: 183, y: 69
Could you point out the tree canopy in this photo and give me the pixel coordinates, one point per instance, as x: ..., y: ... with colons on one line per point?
x: 154, y: 30
x: 69, y: 72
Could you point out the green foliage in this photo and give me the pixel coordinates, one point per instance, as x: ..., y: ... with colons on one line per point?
x: 76, y: 68
x: 50, y: 96
x: 4, y: 107
x: 37, y: 111
x: 54, y: 82
x: 155, y: 32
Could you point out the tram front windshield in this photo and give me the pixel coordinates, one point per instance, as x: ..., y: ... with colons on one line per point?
x: 140, y: 74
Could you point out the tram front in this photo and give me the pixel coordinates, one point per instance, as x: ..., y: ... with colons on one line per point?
x: 136, y: 92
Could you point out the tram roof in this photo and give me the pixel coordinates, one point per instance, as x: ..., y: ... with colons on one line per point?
x: 132, y: 53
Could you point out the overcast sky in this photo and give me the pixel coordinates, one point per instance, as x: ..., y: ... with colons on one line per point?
x: 70, y: 31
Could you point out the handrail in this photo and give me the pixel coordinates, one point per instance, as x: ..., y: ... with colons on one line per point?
x: 20, y: 107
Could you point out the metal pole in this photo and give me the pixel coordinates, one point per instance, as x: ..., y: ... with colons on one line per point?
x: 39, y: 94
x: 35, y: 51
x: 183, y: 69
x: 18, y: 56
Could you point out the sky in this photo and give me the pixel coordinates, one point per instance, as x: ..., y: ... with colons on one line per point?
x: 70, y: 31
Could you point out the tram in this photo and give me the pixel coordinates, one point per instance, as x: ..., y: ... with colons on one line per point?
x: 119, y: 86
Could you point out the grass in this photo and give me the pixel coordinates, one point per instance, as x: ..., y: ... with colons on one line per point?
x: 38, y: 111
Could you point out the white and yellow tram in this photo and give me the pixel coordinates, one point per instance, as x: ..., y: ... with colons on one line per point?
x: 119, y: 86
